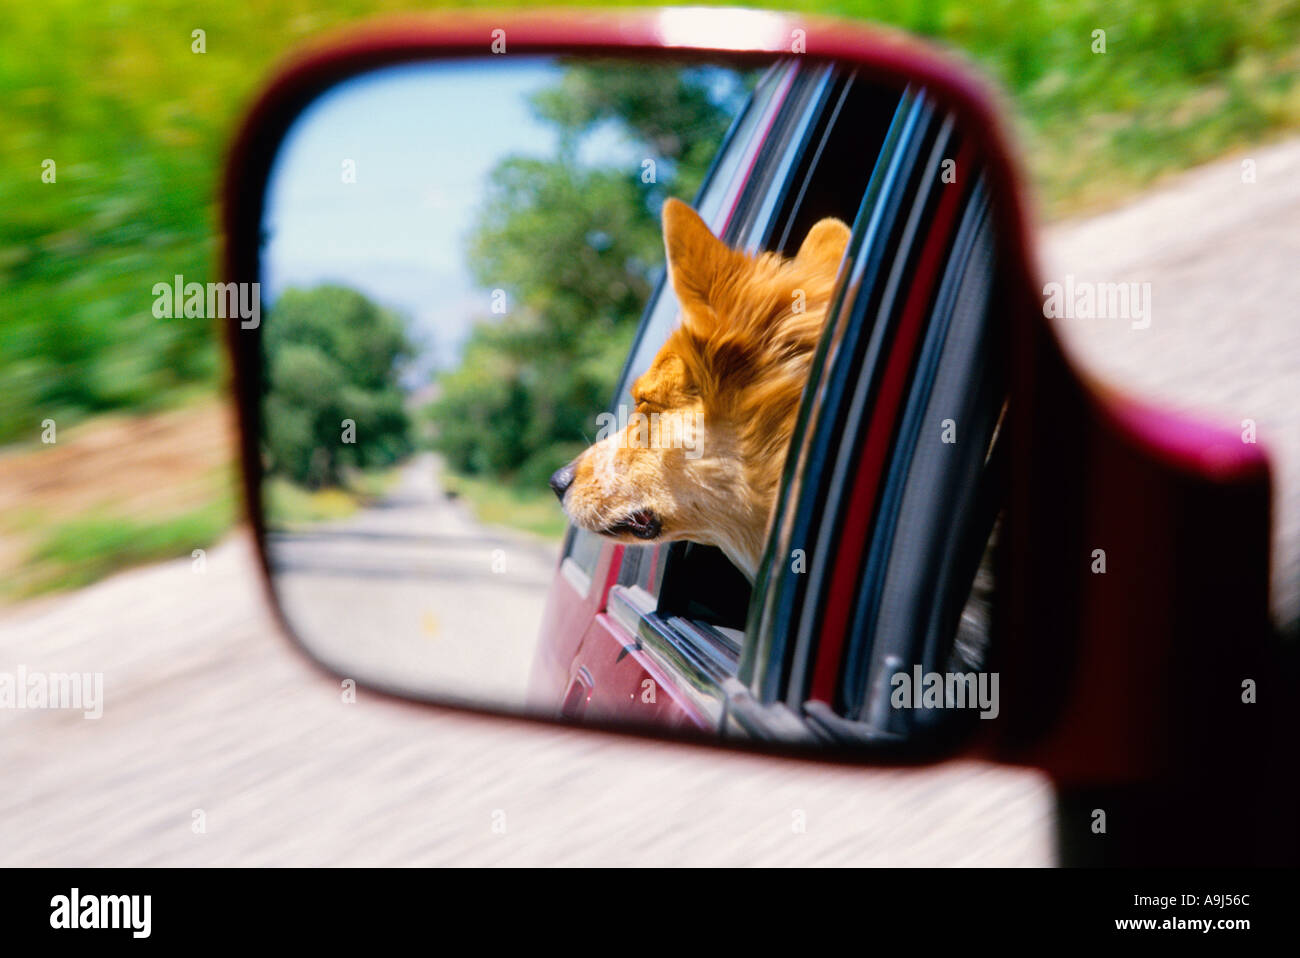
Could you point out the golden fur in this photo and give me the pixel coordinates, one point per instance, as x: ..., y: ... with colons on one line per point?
x: 723, y: 392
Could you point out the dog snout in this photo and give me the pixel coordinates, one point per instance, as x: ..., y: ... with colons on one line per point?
x: 561, y: 479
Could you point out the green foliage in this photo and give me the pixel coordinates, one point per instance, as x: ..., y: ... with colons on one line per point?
x: 679, y: 123
x: 289, y: 506
x: 1180, y: 81
x: 286, y: 505
x: 530, y: 508
x: 575, y: 249
x: 575, y: 246
x: 332, y: 355
x: 87, y: 548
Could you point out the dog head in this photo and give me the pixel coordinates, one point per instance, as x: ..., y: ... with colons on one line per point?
x: 700, y: 457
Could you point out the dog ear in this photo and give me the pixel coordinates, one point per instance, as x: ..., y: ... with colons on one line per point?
x: 825, y: 243
x: 695, y: 256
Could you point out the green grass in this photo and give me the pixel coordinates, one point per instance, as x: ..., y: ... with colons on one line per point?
x: 289, y: 505
x: 77, y: 551
x: 84, y: 549
x: 501, y: 504
x: 374, y: 484
x: 492, y: 502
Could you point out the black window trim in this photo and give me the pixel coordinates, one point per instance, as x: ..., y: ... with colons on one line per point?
x: 920, y: 192
x: 780, y: 589
x: 864, y: 620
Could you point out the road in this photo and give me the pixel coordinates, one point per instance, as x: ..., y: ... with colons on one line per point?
x: 414, y: 593
x: 212, y: 719
x: 208, y: 712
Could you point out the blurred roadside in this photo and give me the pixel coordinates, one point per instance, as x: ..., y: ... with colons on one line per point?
x: 114, y: 491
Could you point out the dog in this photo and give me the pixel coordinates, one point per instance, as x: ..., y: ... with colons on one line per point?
x: 701, y: 457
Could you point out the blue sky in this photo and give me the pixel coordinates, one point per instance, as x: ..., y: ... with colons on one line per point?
x: 423, y: 138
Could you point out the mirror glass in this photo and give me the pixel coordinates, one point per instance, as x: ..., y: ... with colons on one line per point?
x: 650, y: 392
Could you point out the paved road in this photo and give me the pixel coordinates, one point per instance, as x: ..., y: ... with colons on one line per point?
x: 414, y: 593
x: 207, y: 711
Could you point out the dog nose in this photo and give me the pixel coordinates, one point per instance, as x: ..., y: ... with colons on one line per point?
x: 561, y: 479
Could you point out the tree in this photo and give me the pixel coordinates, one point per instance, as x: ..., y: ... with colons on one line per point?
x: 576, y: 248
x: 332, y: 356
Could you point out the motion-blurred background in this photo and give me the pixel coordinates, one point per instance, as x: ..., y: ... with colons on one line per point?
x: 135, y: 122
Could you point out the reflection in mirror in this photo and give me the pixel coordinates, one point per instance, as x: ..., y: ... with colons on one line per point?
x: 464, y: 261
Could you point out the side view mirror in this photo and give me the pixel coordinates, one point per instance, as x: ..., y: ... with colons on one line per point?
x: 686, y: 373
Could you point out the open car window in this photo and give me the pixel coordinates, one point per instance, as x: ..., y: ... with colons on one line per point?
x: 891, y: 487
x: 686, y: 602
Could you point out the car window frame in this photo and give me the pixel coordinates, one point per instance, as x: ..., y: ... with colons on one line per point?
x: 781, y: 593
x: 774, y: 693
x: 778, y: 193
